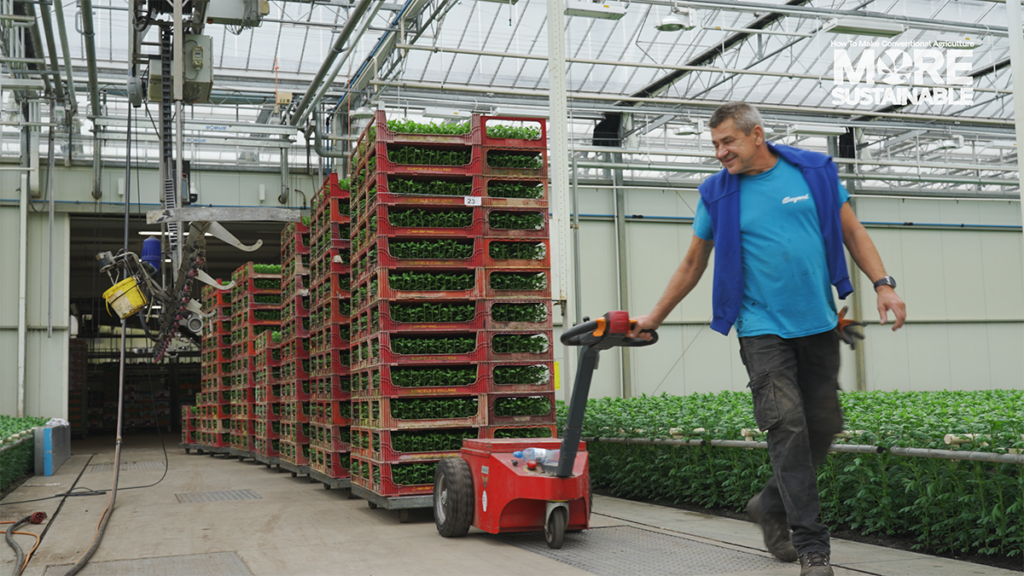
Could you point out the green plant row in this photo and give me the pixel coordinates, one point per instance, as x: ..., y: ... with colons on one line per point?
x: 266, y: 268
x: 444, y: 248
x: 428, y: 312
x: 425, y: 377
x: 18, y: 461
x: 522, y: 433
x: 433, y: 345
x: 516, y: 220
x: 11, y: 426
x: 433, y: 408
x: 517, y: 250
x: 412, y: 474
x: 267, y: 298
x: 416, y: 218
x: 413, y: 127
x: 534, y: 374
x: 513, y: 132
x: 429, y: 156
x: 267, y: 314
x: 516, y: 343
x: 519, y: 313
x: 430, y: 441
x: 432, y: 281
x: 430, y: 187
x: 506, y: 189
x: 532, y: 160
x: 267, y: 283
x: 948, y: 506
x: 522, y: 406
x: 518, y: 281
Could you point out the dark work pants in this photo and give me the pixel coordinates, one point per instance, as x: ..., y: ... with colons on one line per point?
x: 795, y: 387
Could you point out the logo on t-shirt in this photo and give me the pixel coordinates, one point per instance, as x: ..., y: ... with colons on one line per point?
x: 795, y: 199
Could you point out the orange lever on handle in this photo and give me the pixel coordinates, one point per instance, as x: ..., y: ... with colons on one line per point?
x: 600, y: 328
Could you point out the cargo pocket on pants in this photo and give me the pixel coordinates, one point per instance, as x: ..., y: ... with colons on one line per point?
x: 766, y: 409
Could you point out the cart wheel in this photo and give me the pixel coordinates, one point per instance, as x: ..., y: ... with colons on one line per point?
x: 371, y: 505
x: 453, y: 497
x: 294, y: 474
x: 187, y: 450
x: 554, y: 533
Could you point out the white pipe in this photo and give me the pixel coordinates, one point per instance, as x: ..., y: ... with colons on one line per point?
x: 1013, y: 19
x: 22, y: 288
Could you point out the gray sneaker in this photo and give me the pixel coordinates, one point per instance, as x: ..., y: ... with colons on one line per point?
x: 816, y: 564
x: 776, y: 531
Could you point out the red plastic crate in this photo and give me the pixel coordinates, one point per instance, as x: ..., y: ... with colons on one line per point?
x: 545, y: 385
x: 384, y: 163
x: 295, y: 391
x: 267, y: 411
x: 215, y: 439
x: 216, y: 383
x: 386, y: 260
x: 267, y: 447
x: 216, y: 298
x: 376, y: 445
x: 295, y: 369
x: 386, y: 292
x: 330, y: 438
x: 220, y: 426
x: 296, y: 348
x: 248, y: 318
x: 296, y: 265
x: 243, y: 442
x: 329, y: 189
x: 543, y: 262
x: 267, y: 357
x: 296, y: 411
x: 494, y: 356
x: 493, y: 419
x: 268, y: 393
x: 331, y: 412
x: 218, y: 327
x: 332, y: 210
x: 385, y: 134
x: 294, y: 241
x: 295, y: 328
x: 518, y: 294
x: 245, y: 286
x: 297, y: 285
x: 493, y: 431
x: 243, y: 380
x: 330, y: 387
x: 330, y: 336
x: 268, y: 430
x: 297, y: 454
x: 333, y: 285
x: 268, y: 376
x: 376, y: 413
x: 330, y: 363
x: 214, y: 411
x: 218, y: 398
x: 490, y: 201
x: 381, y: 182
x: 386, y: 485
x: 492, y: 324
x: 330, y: 262
x: 333, y: 464
x: 295, y: 432
x: 243, y: 427
x: 488, y: 170
x: 385, y: 323
x: 331, y: 236
x: 489, y: 231
x: 242, y: 396
x: 514, y: 143
x: 189, y: 437
x: 376, y: 381
x: 384, y: 227
x: 295, y: 307
x: 387, y: 355
x: 331, y: 311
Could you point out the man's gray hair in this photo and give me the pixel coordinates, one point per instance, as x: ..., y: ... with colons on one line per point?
x: 744, y: 115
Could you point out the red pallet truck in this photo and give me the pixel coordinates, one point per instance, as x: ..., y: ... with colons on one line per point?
x: 491, y: 488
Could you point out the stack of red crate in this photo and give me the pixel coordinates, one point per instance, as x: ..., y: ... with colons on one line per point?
x: 294, y: 382
x: 256, y: 308
x: 330, y: 330
x: 213, y: 404
x: 267, y: 408
x: 436, y: 249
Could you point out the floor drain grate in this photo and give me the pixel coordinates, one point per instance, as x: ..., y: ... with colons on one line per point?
x: 618, y: 550
x: 219, y: 496
x: 109, y: 466
x: 215, y: 564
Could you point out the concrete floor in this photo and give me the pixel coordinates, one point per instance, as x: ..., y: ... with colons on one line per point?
x: 299, y: 528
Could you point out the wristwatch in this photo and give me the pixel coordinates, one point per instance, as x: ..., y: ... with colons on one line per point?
x: 886, y: 281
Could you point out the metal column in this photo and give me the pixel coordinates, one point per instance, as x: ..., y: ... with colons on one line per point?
x: 1013, y: 20
x: 559, y: 131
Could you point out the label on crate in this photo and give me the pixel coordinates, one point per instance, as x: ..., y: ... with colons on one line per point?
x: 473, y: 200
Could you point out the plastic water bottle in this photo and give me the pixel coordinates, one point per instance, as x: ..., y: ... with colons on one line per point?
x: 538, y: 455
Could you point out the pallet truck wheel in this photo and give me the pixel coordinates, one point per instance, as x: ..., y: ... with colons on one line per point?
x: 187, y: 451
x: 554, y: 532
x: 453, y: 497
x: 294, y: 474
x: 371, y: 505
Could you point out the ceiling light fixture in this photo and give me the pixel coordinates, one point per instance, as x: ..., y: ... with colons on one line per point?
x: 678, y: 19
x: 864, y: 27
x: 361, y: 113
x: 817, y: 130
x: 1002, y: 145
x: 602, y: 10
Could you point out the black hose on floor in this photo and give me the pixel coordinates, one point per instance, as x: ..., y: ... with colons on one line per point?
x: 17, y: 549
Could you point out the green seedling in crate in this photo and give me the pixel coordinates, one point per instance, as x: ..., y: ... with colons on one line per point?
x: 536, y: 374
x: 522, y: 406
x: 453, y: 249
x: 519, y: 313
x: 517, y: 250
x: 267, y: 283
x: 515, y: 160
x: 516, y: 220
x: 371, y: 224
x: 432, y: 281
x: 429, y: 377
x: 417, y: 218
x: 513, y: 132
x: 267, y: 314
x: 520, y: 343
x: 518, y: 281
x: 429, y: 156
x: 266, y: 268
x: 430, y: 188
x: 433, y: 345
x: 528, y: 190
x: 431, y: 441
x: 375, y: 320
x: 432, y: 409
x: 412, y: 127
x: 523, y: 433
x: 428, y: 312
x: 411, y: 474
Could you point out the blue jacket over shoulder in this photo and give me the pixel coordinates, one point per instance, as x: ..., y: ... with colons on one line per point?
x: 722, y: 200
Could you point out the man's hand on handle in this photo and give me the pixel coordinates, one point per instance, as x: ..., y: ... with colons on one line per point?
x: 645, y: 322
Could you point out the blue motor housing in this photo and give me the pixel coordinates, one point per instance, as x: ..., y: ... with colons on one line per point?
x: 151, y: 252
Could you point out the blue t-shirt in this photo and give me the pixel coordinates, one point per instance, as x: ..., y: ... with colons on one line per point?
x: 786, y: 289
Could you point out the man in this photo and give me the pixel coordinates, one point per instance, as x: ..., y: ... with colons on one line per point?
x: 779, y: 218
